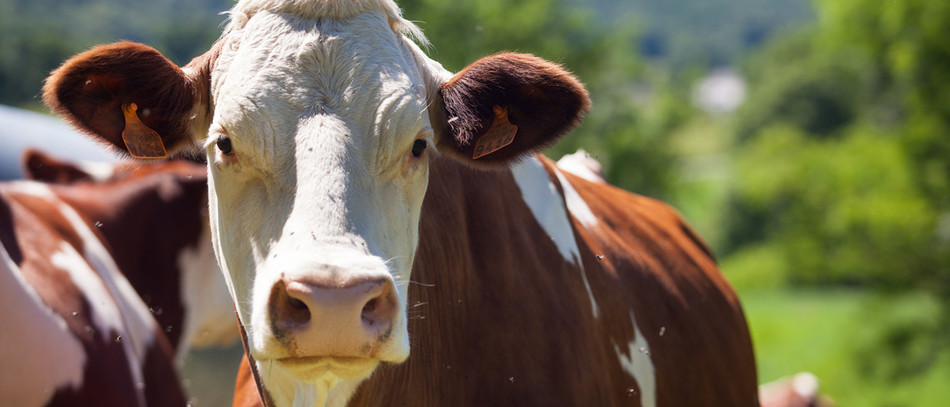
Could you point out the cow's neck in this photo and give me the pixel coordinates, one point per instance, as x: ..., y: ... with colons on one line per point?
x: 474, y: 306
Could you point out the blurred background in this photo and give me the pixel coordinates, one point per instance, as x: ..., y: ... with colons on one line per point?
x: 807, y: 141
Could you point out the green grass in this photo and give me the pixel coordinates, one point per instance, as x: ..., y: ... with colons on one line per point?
x: 833, y: 335
x: 209, y: 375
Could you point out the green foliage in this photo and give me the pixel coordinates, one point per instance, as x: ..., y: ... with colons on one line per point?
x: 818, y: 93
x: 686, y: 34
x: 852, y: 191
x: 842, y: 172
x: 844, y: 211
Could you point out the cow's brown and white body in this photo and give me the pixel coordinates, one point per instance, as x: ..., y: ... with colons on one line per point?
x: 514, y: 283
x: 103, y: 298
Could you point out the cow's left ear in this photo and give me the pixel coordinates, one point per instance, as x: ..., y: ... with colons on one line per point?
x: 506, y: 106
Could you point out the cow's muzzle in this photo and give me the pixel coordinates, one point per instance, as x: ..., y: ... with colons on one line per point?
x: 322, y: 315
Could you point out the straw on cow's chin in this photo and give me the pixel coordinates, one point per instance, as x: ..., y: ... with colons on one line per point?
x: 318, y: 381
x: 316, y: 368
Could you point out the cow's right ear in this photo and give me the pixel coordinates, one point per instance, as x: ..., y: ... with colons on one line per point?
x: 103, y: 90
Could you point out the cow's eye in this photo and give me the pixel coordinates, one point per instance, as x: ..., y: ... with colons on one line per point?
x: 224, y: 144
x: 419, y: 147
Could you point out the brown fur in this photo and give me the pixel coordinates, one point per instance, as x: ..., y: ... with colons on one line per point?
x: 543, y: 100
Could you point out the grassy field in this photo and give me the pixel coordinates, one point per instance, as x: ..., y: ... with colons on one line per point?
x: 831, y: 334
x: 209, y: 375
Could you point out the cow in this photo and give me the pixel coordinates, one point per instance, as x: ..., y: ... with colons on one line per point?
x: 390, y: 234
x: 799, y: 390
x: 102, y: 299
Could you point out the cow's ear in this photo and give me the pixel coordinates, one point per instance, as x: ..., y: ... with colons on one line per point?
x: 128, y: 86
x: 506, y: 106
x: 38, y: 166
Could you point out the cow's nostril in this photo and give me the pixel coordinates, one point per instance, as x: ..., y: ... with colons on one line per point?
x: 368, y: 311
x: 378, y: 311
x: 287, y: 310
x: 297, y: 304
x: 296, y: 311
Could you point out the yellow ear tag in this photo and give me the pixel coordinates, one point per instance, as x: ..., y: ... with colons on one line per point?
x: 500, y: 134
x: 141, y: 141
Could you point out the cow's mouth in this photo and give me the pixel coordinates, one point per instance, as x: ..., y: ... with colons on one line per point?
x: 315, y: 367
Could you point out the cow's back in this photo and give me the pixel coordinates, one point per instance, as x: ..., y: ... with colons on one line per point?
x: 499, y: 315
x: 100, y: 344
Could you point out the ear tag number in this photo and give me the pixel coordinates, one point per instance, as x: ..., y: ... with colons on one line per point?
x: 141, y: 141
x: 500, y: 134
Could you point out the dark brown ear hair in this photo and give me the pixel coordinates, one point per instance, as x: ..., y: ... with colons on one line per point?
x: 38, y: 166
x: 542, y: 99
x: 90, y: 88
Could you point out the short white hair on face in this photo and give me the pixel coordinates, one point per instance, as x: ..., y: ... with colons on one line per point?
x: 337, y: 9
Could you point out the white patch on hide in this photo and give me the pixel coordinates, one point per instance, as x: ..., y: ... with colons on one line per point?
x: 39, y: 353
x: 546, y: 204
x: 639, y: 365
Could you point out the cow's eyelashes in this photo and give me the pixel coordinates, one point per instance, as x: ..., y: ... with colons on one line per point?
x: 419, y: 147
x: 224, y: 145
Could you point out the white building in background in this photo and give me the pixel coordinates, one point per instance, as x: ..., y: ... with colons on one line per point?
x: 720, y: 92
x: 22, y: 129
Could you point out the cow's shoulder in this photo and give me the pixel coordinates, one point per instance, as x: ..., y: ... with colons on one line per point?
x: 642, y: 257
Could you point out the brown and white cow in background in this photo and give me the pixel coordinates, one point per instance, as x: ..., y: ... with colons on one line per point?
x: 101, y: 296
x: 363, y: 199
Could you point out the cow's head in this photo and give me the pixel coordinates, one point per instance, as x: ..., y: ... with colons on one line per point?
x: 319, y: 119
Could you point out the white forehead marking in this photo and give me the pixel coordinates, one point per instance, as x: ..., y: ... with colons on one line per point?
x: 283, y: 76
x: 639, y: 365
x: 314, y: 9
x: 46, y: 356
x: 545, y: 202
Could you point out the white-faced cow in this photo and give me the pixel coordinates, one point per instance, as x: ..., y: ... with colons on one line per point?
x: 363, y: 199
x: 101, y: 297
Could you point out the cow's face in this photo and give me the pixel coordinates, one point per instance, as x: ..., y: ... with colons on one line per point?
x: 318, y: 154
x: 319, y: 123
